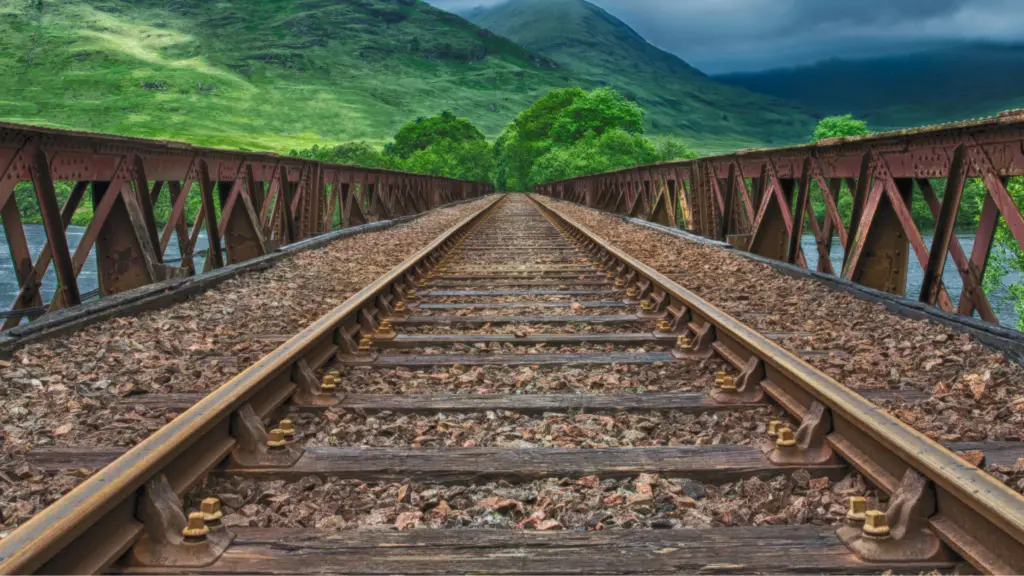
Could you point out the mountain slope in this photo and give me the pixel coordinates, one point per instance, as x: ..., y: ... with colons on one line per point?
x: 678, y: 97
x: 259, y: 74
x: 930, y: 87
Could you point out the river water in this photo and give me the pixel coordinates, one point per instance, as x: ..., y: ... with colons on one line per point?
x: 36, y: 237
x: 35, y: 234
x: 1000, y: 300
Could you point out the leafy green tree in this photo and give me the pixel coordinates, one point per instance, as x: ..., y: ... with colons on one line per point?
x: 354, y: 153
x: 422, y: 133
x: 572, y: 132
x: 1006, y: 260
x: 594, y: 114
x: 465, y: 160
x: 670, y: 148
x: 839, y: 127
x: 611, y: 150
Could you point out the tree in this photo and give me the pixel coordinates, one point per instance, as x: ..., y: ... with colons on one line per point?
x: 464, y: 160
x: 611, y: 150
x: 354, y: 153
x: 572, y: 132
x: 839, y: 127
x: 594, y: 114
x: 422, y: 133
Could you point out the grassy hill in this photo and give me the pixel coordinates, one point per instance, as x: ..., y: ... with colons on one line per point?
x: 678, y: 98
x: 929, y: 87
x: 257, y: 74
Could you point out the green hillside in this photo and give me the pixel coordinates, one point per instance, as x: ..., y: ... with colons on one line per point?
x: 929, y: 87
x: 678, y: 98
x: 257, y: 74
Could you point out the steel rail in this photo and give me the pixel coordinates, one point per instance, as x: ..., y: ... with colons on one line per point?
x: 94, y: 524
x: 976, y: 515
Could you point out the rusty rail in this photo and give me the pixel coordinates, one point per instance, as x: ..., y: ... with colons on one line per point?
x: 976, y: 515
x: 758, y: 200
x: 251, y: 203
x: 90, y: 527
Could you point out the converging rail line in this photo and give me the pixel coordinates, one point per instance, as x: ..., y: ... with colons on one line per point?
x: 522, y: 374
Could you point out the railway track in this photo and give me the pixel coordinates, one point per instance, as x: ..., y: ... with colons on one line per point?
x: 521, y: 396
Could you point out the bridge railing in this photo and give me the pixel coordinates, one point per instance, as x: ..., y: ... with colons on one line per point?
x: 250, y: 204
x: 758, y: 200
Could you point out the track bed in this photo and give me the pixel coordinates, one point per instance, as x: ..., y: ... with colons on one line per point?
x: 518, y: 397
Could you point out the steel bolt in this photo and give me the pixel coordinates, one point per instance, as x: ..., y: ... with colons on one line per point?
x: 336, y: 374
x: 664, y: 325
x: 683, y: 342
x: 385, y: 325
x: 411, y: 293
x: 611, y: 274
x: 421, y: 283
x: 631, y: 292
x: 875, y: 524
x: 210, y: 509
x: 728, y: 385
x: 288, y: 429
x: 364, y: 344
x: 620, y: 282
x: 329, y: 383
x: 400, y: 306
x: 196, y: 529
x: 858, y: 506
x: 786, y: 438
x: 275, y: 440
x: 646, y: 305
x: 773, y: 428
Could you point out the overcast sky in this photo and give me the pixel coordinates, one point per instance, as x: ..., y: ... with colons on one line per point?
x: 726, y: 35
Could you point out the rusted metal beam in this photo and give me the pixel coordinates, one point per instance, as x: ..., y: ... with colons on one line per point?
x: 267, y: 194
x: 879, y: 171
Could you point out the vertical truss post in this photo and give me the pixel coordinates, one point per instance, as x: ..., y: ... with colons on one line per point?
x: 796, y: 233
x: 728, y: 204
x: 54, y: 225
x: 214, y: 259
x: 145, y: 200
x: 945, y: 226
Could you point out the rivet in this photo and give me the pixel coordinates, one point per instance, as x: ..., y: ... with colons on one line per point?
x: 196, y: 529
x: 858, y: 506
x: 275, y: 440
x: 210, y: 509
x: 773, y: 428
x: 786, y: 438
x: 875, y: 524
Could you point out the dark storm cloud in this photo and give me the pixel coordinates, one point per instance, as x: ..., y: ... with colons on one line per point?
x: 723, y: 35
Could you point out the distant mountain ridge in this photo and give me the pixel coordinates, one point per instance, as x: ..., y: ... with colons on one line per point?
x: 258, y: 74
x: 933, y: 86
x: 679, y: 99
